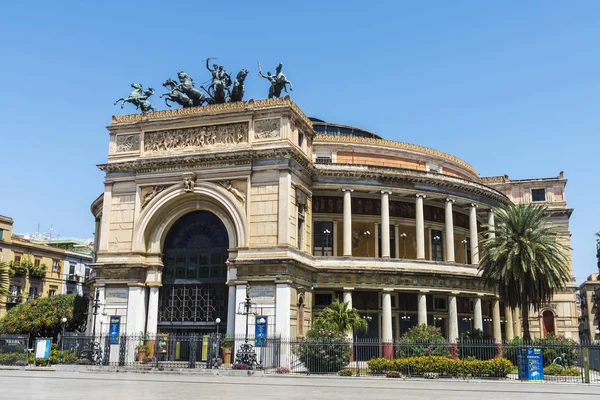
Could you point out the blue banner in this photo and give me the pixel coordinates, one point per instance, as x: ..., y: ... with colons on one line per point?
x: 260, y: 331
x: 115, y: 329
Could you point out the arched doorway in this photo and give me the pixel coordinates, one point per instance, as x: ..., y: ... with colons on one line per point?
x: 548, y: 320
x: 194, y: 292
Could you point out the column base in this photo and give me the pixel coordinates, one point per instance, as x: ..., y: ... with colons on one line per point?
x: 388, y: 350
x: 386, y: 257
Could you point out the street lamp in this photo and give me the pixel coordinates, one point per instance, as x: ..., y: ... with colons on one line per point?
x: 464, y: 242
x: 326, y: 232
x: 368, y: 319
x: 403, y: 236
x: 95, y: 307
x: 367, y: 234
x: 246, y: 354
x: 62, y: 339
x: 218, y: 321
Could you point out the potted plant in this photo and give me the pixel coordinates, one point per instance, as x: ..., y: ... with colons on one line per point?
x: 142, y: 351
x: 227, y: 349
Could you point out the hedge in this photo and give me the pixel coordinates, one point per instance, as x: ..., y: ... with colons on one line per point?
x: 12, y: 358
x: 557, y: 370
x: 444, y: 366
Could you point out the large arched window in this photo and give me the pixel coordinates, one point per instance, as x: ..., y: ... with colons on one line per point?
x: 194, y: 293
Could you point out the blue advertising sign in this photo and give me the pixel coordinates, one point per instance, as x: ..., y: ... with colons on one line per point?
x: 531, y: 364
x: 260, y: 331
x: 114, y: 329
x: 42, y: 348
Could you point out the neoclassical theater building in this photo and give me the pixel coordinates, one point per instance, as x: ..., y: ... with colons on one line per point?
x: 200, y: 202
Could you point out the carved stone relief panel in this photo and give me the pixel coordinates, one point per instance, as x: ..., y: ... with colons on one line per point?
x: 151, y: 192
x: 267, y: 128
x: 197, y: 137
x: 237, y: 188
x: 129, y: 142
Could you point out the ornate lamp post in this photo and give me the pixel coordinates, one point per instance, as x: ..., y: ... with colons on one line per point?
x: 368, y: 319
x: 464, y: 242
x: 95, y: 307
x: 246, y: 354
x: 367, y: 234
x: 436, y: 240
x: 403, y: 236
x: 326, y: 232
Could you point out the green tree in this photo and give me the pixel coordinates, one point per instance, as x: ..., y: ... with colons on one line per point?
x: 338, y: 317
x: 524, y: 261
x: 42, y: 317
x: 4, y: 279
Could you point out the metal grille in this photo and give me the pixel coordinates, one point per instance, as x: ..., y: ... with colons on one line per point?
x: 193, y: 303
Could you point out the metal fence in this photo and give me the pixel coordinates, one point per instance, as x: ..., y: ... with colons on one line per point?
x: 561, y: 361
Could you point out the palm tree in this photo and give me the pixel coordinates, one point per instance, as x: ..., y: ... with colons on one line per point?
x: 4, y: 279
x: 340, y: 318
x: 524, y: 260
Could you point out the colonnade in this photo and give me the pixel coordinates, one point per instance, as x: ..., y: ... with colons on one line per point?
x: 420, y: 227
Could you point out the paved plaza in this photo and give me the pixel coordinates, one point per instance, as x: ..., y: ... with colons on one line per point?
x: 88, y: 386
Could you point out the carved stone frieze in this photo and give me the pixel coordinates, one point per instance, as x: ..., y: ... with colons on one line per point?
x: 128, y: 142
x: 267, y: 128
x: 197, y: 137
x: 237, y: 188
x: 149, y: 193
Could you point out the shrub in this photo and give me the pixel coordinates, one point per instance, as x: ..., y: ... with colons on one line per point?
x: 324, y: 351
x: 423, y: 340
x: 240, y: 365
x: 345, y: 372
x: 552, y: 348
x: 12, y: 358
x: 443, y: 366
x: 555, y: 370
x: 282, y: 370
x: 393, y: 374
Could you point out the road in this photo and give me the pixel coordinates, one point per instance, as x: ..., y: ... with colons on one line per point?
x: 123, y: 386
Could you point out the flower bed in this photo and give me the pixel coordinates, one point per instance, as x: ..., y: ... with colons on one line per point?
x: 443, y: 366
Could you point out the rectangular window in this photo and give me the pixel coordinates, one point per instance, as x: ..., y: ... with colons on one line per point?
x: 37, y: 262
x: 468, y: 250
x: 323, y: 299
x: 300, y: 234
x: 87, y: 273
x: 55, y: 265
x: 15, y: 290
x: 33, y: 292
x: 439, y: 304
x: 437, y: 245
x: 51, y: 292
x: 323, y: 238
x: 17, y: 258
x: 1, y: 234
x: 538, y: 195
x: 323, y: 160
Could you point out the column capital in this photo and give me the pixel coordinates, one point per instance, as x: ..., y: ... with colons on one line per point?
x: 386, y: 192
x: 423, y: 291
x: 450, y: 200
x: 348, y: 289
x: 420, y: 196
x: 473, y: 205
x: 387, y: 290
x: 344, y: 189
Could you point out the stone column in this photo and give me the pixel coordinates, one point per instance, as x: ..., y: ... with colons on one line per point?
x: 347, y: 221
x: 496, y: 327
x: 509, y: 327
x: 420, y: 219
x: 491, y: 224
x: 334, y: 245
x: 385, y: 224
x: 452, y: 319
x: 477, y: 315
x: 152, y: 320
x: 473, y: 234
x: 422, y: 310
x: 517, y: 322
x: 282, y: 310
x: 348, y: 299
x: 386, y: 328
x: 449, y: 231
x: 231, y: 311
x: 397, y: 240
x: 240, y: 320
x: 375, y: 232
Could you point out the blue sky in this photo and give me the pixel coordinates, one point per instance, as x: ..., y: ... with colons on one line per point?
x: 510, y: 87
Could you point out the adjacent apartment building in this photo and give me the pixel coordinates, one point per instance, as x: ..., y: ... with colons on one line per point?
x: 38, y: 269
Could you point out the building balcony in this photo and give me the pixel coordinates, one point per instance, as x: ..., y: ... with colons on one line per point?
x: 14, y: 299
x: 73, y: 278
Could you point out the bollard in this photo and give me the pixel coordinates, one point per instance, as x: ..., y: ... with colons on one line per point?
x: 586, y: 364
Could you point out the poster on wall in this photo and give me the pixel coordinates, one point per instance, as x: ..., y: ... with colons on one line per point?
x: 260, y: 331
x: 115, y: 328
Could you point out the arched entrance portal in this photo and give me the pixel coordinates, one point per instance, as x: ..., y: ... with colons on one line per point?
x: 548, y: 321
x: 194, y: 293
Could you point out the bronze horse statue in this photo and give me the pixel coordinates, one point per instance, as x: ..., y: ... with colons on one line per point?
x: 187, y: 87
x: 176, y: 95
x: 139, y: 98
x: 237, y: 93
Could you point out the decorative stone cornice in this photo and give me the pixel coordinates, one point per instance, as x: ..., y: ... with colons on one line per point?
x: 397, y: 145
x: 214, y: 159
x: 392, y: 175
x: 214, y: 109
